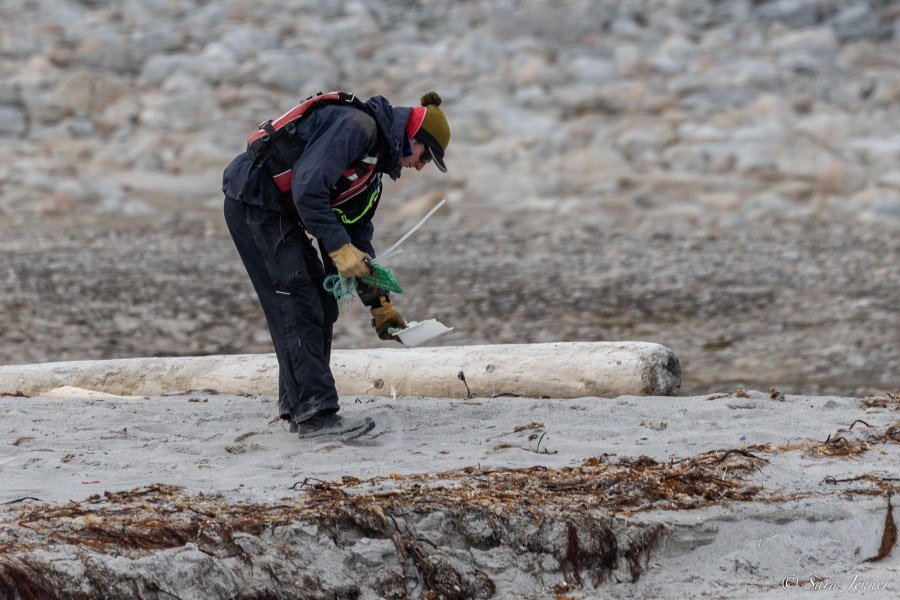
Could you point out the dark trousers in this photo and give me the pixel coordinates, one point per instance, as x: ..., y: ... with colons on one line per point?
x: 287, y: 275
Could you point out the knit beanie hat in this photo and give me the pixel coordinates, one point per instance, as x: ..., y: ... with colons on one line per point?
x: 429, y: 126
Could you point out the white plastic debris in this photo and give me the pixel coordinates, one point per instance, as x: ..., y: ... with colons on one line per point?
x: 419, y: 332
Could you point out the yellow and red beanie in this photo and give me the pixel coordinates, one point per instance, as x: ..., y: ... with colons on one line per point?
x: 428, y: 124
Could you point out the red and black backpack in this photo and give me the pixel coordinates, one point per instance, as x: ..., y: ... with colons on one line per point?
x: 277, y: 146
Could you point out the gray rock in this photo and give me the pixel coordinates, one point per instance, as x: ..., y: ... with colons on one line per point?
x: 298, y: 72
x: 686, y: 158
x: 159, y: 68
x: 9, y: 94
x: 798, y: 156
x: 184, y: 103
x: 818, y: 41
x: 589, y: 67
x: 643, y: 144
x: 109, y: 197
x: 153, y: 42
x: 878, y: 151
x: 13, y: 122
x: 215, y: 63
x: 88, y: 92
x: 793, y: 13
x: 856, y: 21
x: 206, y: 22
x: 674, y: 55
x: 81, y: 126
x: 246, y: 41
x: 107, y: 48
x: 888, y: 205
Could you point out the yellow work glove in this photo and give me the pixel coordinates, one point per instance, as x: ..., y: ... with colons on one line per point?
x: 386, y: 316
x: 349, y: 261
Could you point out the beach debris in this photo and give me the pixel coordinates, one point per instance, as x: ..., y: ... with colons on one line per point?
x: 739, y: 393
x: 69, y: 391
x: 532, y: 425
x: 889, y: 537
x: 585, y: 516
x: 538, y: 447
x: 888, y: 401
x: 246, y: 435
x: 208, y: 391
x: 879, y: 481
x: 417, y: 333
x: 840, y: 446
x: 24, y: 499
x: 892, y: 434
x: 837, y: 446
x: 462, y: 377
x: 841, y: 443
x: 160, y: 516
x: 563, y: 514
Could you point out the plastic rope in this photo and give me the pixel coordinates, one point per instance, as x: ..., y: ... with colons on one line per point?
x: 340, y: 288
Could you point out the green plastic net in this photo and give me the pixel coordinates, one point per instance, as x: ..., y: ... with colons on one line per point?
x: 382, y: 278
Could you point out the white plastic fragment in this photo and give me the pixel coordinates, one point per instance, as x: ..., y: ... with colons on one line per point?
x: 419, y: 332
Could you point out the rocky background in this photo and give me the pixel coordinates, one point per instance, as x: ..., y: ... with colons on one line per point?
x: 719, y: 177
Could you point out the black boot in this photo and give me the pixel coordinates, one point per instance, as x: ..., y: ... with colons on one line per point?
x: 332, y: 424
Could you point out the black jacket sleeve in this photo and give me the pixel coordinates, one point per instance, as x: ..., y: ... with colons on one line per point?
x: 335, y: 145
x: 361, y: 237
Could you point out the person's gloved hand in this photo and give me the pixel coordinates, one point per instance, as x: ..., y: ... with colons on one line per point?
x: 349, y: 261
x: 386, y: 316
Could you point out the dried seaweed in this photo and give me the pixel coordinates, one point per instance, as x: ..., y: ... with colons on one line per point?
x: 833, y: 446
x: 532, y: 425
x: 889, y: 537
x: 641, y: 548
x: 888, y: 401
x: 23, y: 499
x: 568, y: 510
x: 22, y: 579
x: 739, y: 393
x: 160, y: 516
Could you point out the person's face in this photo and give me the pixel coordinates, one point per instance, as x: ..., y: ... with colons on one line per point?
x: 420, y: 156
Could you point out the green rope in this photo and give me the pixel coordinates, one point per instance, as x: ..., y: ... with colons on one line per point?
x: 381, y: 278
x: 339, y: 287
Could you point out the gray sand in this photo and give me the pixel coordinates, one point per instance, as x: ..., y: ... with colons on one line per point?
x: 61, y: 449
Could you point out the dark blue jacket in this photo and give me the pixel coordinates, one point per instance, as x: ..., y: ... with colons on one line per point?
x: 336, y: 137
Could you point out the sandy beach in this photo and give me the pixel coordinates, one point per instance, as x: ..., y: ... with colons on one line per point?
x: 796, y: 487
